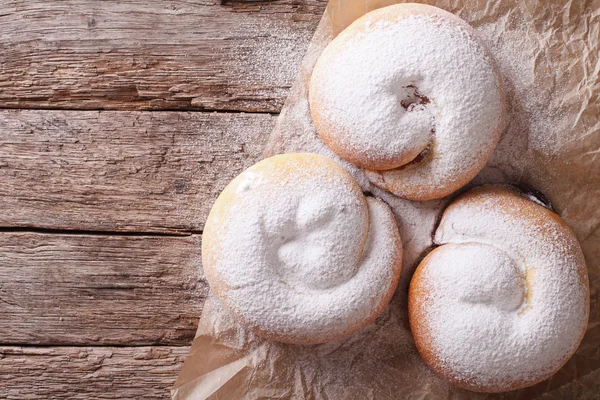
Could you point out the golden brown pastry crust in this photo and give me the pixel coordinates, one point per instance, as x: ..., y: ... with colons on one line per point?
x: 390, y: 172
x: 512, y: 205
x: 284, y: 168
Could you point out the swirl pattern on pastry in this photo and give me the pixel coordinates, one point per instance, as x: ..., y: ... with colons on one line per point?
x: 294, y: 249
x: 410, y: 93
x: 503, y: 303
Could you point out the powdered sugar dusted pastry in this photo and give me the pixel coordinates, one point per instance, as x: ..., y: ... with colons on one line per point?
x: 410, y: 93
x: 294, y: 249
x: 503, y: 303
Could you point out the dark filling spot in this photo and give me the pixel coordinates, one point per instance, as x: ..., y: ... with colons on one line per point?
x: 415, y: 100
x: 422, y: 154
x: 420, y: 157
x: 533, y: 195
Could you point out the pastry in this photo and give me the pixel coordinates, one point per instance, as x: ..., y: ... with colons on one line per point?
x: 297, y: 253
x: 410, y: 93
x: 503, y: 302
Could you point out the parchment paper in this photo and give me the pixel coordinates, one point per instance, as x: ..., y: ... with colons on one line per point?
x: 547, y: 52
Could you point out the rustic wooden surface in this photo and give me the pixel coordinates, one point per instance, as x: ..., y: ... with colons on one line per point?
x: 134, y: 54
x: 101, y: 285
x: 89, y: 372
x: 121, y: 170
x: 99, y: 289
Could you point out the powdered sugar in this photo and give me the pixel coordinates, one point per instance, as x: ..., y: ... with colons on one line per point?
x: 296, y: 251
x: 404, y: 85
x: 508, y: 299
x: 380, y: 361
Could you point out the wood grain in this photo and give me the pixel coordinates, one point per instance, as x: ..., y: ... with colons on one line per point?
x: 152, y: 55
x: 121, y: 171
x: 89, y: 372
x: 58, y: 289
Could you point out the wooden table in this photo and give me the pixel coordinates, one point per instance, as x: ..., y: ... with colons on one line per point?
x: 120, y: 122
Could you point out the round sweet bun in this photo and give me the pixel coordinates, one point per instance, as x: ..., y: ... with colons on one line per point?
x: 297, y: 253
x: 503, y: 302
x: 410, y: 93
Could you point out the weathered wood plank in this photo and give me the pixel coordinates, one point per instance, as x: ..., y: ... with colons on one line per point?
x: 121, y: 171
x: 99, y: 289
x: 133, y: 54
x: 89, y: 372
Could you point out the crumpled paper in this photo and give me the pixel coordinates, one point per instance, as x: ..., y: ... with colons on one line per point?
x: 548, y: 54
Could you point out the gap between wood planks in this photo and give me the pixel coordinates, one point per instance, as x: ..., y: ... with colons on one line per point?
x: 173, y: 110
x: 97, y: 233
x: 83, y: 345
